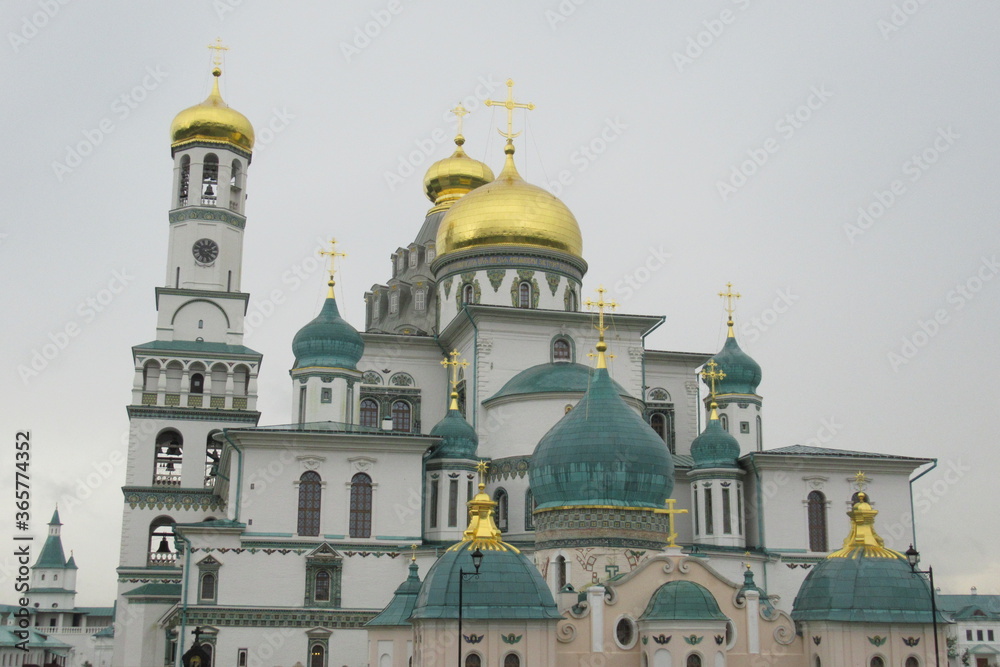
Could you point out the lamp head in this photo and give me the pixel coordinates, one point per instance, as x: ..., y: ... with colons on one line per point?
x: 912, y: 556
x: 477, y: 559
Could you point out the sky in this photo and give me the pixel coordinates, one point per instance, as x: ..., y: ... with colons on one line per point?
x: 836, y: 163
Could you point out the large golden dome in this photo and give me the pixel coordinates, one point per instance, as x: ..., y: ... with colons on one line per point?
x: 449, y: 179
x: 509, y: 211
x: 212, y: 121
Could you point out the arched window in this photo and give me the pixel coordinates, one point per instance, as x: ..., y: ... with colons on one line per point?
x: 561, y: 350
x: 207, y: 590
x: 207, y: 648
x: 524, y: 295
x: 724, y: 422
x: 240, y: 375
x: 161, y: 541
x: 210, y: 180
x: 500, y: 498
x: 911, y: 662
x: 322, y: 590
x: 369, y: 413
x: 468, y: 293
x: 819, y: 663
x: 529, y: 509
x: 876, y: 661
x: 213, y: 454
x: 310, y: 500
x: 361, y: 505
x: 571, y: 301
x: 694, y: 660
x: 473, y: 660
x: 659, y: 424
x: 169, y: 458
x: 317, y: 656
x: 817, y: 521
x: 175, y: 372
x: 511, y: 660
x: 197, y: 383
x: 185, y: 177
x: 560, y: 573
x: 401, y: 416
x: 151, y: 376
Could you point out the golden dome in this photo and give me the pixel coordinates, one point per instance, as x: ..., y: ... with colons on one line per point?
x: 212, y: 121
x: 509, y: 211
x: 448, y: 179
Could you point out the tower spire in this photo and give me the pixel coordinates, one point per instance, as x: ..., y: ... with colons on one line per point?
x: 600, y: 305
x: 454, y: 364
x: 711, y: 376
x: 730, y: 306
x: 333, y: 255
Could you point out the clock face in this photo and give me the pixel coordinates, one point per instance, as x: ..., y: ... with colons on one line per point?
x: 205, y: 251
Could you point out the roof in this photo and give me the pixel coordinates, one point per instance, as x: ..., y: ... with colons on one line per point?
x: 956, y: 604
x: 554, y: 377
x: 399, y: 609
x: 197, y: 346
x: 682, y: 600
x: 458, y: 439
x: 35, y: 639
x: 807, y: 450
x: 742, y: 373
x: 96, y: 611
x: 155, y: 590
x: 715, y: 447
x: 328, y: 341
x: 52, y: 555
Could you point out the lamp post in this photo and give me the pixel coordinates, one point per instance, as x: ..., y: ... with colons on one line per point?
x: 463, y: 576
x: 913, y: 558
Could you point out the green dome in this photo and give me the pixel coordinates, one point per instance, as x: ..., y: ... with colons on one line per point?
x: 742, y: 372
x: 864, y: 589
x: 682, y: 601
x: 458, y: 438
x: 398, y: 611
x: 509, y: 587
x: 601, y: 453
x: 555, y: 377
x: 715, y: 447
x: 328, y: 341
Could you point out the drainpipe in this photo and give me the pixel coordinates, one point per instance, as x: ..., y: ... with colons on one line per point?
x: 475, y: 365
x: 184, y: 600
x: 913, y: 515
x: 239, y: 473
x: 760, y: 513
x: 642, y: 390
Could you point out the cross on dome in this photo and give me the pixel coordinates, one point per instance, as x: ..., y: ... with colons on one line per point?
x: 670, y: 512
x: 509, y: 104
x: 730, y: 307
x: 454, y: 364
x: 459, y: 112
x: 333, y: 254
x: 600, y: 305
x: 218, y: 48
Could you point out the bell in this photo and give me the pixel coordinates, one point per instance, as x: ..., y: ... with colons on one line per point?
x: 173, y: 450
x: 170, y: 465
x: 164, y: 548
x: 209, y: 192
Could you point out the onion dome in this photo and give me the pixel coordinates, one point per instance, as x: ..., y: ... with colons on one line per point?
x: 328, y: 341
x: 212, y: 121
x: 715, y: 447
x: 509, y: 586
x: 742, y: 372
x: 682, y: 600
x: 509, y: 211
x: 864, y: 582
x: 558, y: 377
x: 458, y: 439
x: 601, y: 453
x: 399, y: 609
x: 448, y: 179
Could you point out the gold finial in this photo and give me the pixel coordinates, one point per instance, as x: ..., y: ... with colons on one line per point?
x: 747, y: 562
x: 482, y: 532
x: 670, y: 512
x: 711, y: 376
x: 413, y: 552
x: 333, y: 255
x: 861, y: 480
x: 730, y: 307
x: 455, y: 364
x: 863, y: 540
x: 600, y: 305
x: 509, y: 104
x: 218, y: 48
x: 482, y: 468
x: 459, y: 112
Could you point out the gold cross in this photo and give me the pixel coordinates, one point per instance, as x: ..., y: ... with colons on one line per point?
x: 670, y: 512
x: 729, y: 297
x: 218, y: 48
x: 861, y: 480
x: 509, y: 104
x: 455, y: 364
x: 601, y: 304
x: 712, y: 376
x: 482, y: 467
x: 413, y: 557
x: 459, y: 112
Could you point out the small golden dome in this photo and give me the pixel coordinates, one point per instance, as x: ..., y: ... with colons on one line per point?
x: 449, y: 179
x: 509, y: 211
x: 212, y: 121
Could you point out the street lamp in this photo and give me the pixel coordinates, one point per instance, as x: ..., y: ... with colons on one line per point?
x: 913, y: 558
x: 463, y: 576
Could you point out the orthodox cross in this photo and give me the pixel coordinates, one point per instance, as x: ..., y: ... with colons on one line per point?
x: 454, y: 364
x: 333, y: 255
x: 861, y: 480
x: 670, y: 512
x: 218, y: 48
x: 600, y: 305
x: 729, y: 296
x: 460, y: 112
x: 712, y: 376
x: 509, y: 104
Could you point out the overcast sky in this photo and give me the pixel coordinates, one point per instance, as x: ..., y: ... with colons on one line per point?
x: 836, y: 163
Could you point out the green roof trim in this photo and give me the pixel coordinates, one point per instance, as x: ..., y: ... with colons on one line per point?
x: 682, y: 601
x: 197, y: 346
x: 399, y: 609
x: 554, y: 377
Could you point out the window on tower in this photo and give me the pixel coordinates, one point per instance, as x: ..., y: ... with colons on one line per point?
x: 571, y: 301
x: 210, y: 180
x: 500, y: 498
x: 561, y: 350
x: 524, y: 295
x: 207, y: 592
x: 185, y: 177
x: 310, y: 501
x: 161, y: 542
x: 169, y: 458
x: 213, y: 454
x: 394, y: 302
x: 724, y: 422
x: 361, y: 505
x: 468, y: 293
x: 401, y: 416
x: 197, y: 383
x: 420, y: 300
x: 817, y: 521
x: 369, y: 413
x: 236, y: 187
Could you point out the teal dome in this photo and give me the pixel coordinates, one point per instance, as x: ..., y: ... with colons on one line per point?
x: 399, y: 609
x: 555, y: 377
x: 682, y: 601
x: 742, y: 372
x: 864, y: 589
x: 715, y: 447
x: 601, y: 453
x: 458, y: 438
x: 509, y: 587
x: 328, y: 341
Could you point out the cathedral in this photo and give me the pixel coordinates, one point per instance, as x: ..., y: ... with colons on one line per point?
x: 495, y: 470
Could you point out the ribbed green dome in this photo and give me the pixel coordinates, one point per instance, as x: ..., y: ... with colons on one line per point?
x: 328, y: 341
x: 554, y: 377
x: 715, y: 447
x: 509, y: 587
x: 863, y: 589
x: 458, y: 438
x: 682, y: 601
x: 601, y: 453
x: 742, y: 372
